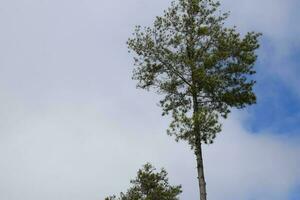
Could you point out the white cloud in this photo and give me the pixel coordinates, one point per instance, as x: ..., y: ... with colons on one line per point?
x: 277, y: 20
x: 79, y: 152
x: 248, y: 166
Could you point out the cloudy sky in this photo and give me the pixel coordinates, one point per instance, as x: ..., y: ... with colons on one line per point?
x: 74, y: 127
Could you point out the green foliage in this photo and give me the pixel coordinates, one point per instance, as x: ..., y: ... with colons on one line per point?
x: 150, y: 185
x: 201, y: 67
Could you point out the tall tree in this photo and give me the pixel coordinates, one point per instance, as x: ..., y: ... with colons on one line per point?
x: 150, y: 185
x: 201, y: 68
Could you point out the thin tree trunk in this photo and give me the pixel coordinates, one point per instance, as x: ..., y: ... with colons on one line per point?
x: 200, y: 170
x: 198, y: 153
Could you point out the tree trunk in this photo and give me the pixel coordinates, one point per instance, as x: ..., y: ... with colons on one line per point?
x: 200, y: 170
x: 198, y: 153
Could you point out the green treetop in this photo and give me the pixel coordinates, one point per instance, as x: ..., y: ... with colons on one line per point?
x: 150, y: 185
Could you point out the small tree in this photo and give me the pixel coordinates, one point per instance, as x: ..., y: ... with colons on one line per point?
x: 150, y: 185
x: 201, y: 67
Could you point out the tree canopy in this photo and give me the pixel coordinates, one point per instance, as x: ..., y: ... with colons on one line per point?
x: 150, y: 185
x: 191, y: 57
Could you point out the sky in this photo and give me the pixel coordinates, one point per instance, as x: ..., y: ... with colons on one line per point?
x: 74, y: 127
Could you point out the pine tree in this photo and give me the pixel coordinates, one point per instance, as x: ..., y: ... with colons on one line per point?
x: 201, y: 68
x: 150, y: 185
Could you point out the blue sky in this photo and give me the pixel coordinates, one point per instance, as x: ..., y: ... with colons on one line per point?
x: 70, y: 115
x: 278, y: 107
